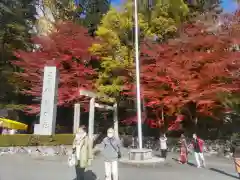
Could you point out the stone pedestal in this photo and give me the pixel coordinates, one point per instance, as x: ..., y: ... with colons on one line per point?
x: 140, y: 154
x: 141, y: 157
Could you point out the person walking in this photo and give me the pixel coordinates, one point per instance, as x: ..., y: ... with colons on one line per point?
x: 111, y: 152
x: 163, y: 146
x: 236, y: 155
x: 183, y: 158
x: 5, y: 131
x: 1, y: 127
x: 12, y: 131
x: 83, y: 150
x: 197, y: 144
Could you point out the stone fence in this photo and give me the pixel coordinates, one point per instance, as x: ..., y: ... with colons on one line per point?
x: 217, y: 147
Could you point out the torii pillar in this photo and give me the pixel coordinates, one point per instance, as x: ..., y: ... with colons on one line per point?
x: 92, y: 106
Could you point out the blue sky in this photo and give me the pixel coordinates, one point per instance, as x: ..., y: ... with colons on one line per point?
x: 228, y: 5
x: 116, y: 2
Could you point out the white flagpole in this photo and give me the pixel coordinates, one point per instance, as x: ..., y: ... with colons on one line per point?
x: 139, y: 115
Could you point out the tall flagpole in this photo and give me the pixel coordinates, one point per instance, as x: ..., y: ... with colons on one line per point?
x: 139, y: 115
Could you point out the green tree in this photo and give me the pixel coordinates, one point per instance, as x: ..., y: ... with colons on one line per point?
x: 202, y: 7
x: 59, y: 9
x: 231, y: 102
x: 92, y: 12
x: 86, y: 12
x: 163, y: 15
x: 231, y: 117
x: 16, y: 19
x: 116, y: 36
x: 115, y: 48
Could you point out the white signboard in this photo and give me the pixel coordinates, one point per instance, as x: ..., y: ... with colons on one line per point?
x: 49, y: 102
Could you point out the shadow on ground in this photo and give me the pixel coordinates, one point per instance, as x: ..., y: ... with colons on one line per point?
x: 223, y: 172
x: 88, y: 175
x: 212, y: 169
x: 188, y: 163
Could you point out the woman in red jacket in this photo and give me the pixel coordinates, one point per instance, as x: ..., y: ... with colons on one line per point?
x: 197, y: 144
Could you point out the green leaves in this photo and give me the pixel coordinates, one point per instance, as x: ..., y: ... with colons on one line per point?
x: 16, y: 16
x: 93, y: 11
x: 5, y: 9
x: 13, y: 106
x: 116, y: 39
x: 231, y: 101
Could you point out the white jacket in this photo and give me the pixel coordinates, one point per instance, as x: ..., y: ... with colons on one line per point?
x: 163, y: 143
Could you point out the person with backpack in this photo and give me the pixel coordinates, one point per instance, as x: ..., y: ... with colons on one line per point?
x: 111, y: 152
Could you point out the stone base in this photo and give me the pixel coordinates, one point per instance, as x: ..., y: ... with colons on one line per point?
x: 39, y: 130
x: 153, y: 161
x: 141, y: 157
x: 140, y: 154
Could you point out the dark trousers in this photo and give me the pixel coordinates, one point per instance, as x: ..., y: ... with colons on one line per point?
x: 164, y: 153
x: 80, y: 173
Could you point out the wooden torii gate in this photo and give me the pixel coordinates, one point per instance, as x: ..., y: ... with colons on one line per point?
x: 92, y: 106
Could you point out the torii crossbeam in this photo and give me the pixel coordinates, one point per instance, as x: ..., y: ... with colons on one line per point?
x: 92, y: 106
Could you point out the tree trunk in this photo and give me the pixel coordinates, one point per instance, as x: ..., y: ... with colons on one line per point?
x: 163, y: 119
x: 196, y: 123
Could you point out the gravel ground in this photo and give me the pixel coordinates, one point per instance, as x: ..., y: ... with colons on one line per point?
x: 24, y: 167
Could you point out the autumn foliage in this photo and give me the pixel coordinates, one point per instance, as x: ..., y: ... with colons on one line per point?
x: 66, y: 48
x: 195, y: 67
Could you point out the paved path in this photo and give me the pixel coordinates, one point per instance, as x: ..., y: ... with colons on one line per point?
x: 22, y: 167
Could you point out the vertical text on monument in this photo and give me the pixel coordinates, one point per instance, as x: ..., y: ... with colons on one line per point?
x: 49, y: 101
x: 76, y: 120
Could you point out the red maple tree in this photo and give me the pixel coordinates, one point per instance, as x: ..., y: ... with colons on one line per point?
x: 67, y: 49
x: 195, y: 67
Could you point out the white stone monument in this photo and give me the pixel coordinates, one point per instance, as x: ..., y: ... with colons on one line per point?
x: 49, y: 103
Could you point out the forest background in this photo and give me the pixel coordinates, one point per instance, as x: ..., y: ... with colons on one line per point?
x: 189, y: 62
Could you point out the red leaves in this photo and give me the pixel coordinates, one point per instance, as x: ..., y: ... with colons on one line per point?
x: 195, y: 67
x: 67, y: 48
